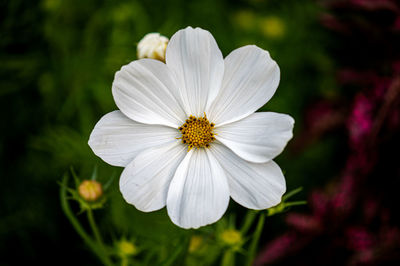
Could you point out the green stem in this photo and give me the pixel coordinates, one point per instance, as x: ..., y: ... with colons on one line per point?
x: 250, y: 216
x: 228, y: 259
x: 292, y: 193
x: 77, y: 226
x: 97, y: 234
x: 95, y: 230
x: 173, y: 256
x: 256, y: 238
x: 124, y: 261
x: 295, y: 203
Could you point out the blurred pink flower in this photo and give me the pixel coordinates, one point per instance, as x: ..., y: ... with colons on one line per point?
x: 332, y: 23
x: 358, y: 238
x: 343, y: 200
x: 360, y: 121
x: 375, y: 4
x: 364, y: 257
x: 350, y: 216
x: 276, y: 249
x: 304, y: 223
x: 319, y: 202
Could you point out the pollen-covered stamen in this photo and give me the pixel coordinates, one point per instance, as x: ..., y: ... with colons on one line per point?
x: 197, y: 132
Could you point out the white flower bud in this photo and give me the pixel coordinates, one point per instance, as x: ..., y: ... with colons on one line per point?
x: 152, y: 45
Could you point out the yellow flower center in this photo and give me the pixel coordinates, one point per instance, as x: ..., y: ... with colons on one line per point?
x: 197, y: 132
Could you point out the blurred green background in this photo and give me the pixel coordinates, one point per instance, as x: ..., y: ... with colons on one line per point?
x: 58, y: 59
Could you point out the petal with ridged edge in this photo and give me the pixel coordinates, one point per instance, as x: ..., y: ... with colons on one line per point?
x: 195, y: 58
x: 259, y: 137
x: 251, y: 78
x: 253, y: 185
x: 198, y: 194
x: 145, y: 181
x: 145, y: 91
x: 117, y: 139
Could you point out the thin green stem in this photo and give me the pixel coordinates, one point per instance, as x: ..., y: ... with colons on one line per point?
x: 93, y: 225
x: 295, y: 203
x: 124, y: 261
x: 77, y: 226
x: 97, y: 234
x: 292, y: 193
x: 250, y: 216
x: 228, y: 258
x: 173, y: 256
x: 254, y: 241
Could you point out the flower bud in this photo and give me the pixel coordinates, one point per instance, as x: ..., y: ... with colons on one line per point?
x: 231, y: 237
x: 196, y: 242
x: 90, y: 190
x: 126, y: 248
x: 153, y: 45
x: 272, y: 27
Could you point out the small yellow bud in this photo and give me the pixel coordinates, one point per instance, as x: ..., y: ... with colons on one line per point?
x: 195, y: 243
x: 126, y: 248
x: 231, y: 237
x: 51, y: 5
x: 153, y: 45
x: 272, y: 27
x: 245, y: 19
x: 90, y: 190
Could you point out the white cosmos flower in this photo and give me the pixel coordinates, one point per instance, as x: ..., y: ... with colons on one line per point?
x: 208, y: 102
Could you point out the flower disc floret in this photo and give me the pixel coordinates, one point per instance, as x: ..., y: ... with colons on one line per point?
x: 197, y: 132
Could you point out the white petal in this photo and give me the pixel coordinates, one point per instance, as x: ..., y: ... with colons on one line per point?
x: 251, y: 78
x: 146, y: 92
x: 117, y: 139
x: 145, y: 181
x: 259, y: 137
x: 195, y: 58
x: 253, y: 185
x: 199, y: 193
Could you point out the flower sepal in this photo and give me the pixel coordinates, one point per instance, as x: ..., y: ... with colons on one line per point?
x: 89, y: 193
x: 285, y: 205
